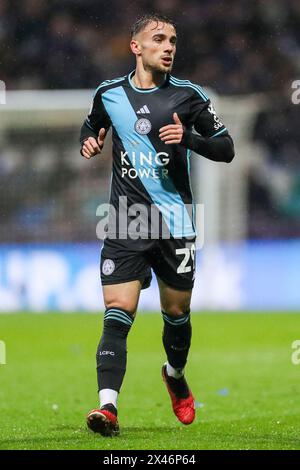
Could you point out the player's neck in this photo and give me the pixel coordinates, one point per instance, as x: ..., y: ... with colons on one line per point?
x: 145, y: 79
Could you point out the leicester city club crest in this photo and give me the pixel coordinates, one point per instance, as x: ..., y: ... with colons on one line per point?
x: 143, y: 126
x: 108, y: 267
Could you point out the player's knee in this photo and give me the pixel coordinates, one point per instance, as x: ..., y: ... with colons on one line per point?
x: 125, y: 304
x: 176, y: 309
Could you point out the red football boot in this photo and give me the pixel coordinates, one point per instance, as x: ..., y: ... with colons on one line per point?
x: 103, y: 421
x: 181, y: 397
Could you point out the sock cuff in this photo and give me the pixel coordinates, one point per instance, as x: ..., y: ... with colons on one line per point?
x: 119, y: 315
x: 178, y: 319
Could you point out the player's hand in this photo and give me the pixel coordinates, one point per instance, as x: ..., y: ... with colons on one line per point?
x: 91, y: 146
x: 172, y: 133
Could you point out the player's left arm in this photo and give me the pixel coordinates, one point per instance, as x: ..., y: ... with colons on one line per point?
x: 214, y: 141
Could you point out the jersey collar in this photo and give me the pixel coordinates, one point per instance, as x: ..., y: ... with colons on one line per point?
x: 145, y: 90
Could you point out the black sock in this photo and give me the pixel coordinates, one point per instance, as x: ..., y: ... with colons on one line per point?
x: 112, y: 353
x: 177, y: 335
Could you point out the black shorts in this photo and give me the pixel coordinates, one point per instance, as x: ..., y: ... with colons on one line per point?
x: 172, y: 260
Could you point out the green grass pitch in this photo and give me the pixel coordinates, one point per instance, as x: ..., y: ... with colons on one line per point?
x: 240, y: 371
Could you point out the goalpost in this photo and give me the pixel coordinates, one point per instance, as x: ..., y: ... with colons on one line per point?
x: 222, y: 188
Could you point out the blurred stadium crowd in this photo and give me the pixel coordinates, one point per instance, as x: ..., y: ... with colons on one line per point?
x: 236, y: 47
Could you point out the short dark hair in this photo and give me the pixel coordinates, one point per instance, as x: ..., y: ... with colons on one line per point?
x: 144, y: 20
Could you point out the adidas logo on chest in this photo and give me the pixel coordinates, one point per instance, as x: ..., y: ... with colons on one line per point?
x: 143, y: 110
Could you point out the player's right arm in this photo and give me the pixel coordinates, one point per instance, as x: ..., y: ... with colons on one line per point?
x: 94, y: 128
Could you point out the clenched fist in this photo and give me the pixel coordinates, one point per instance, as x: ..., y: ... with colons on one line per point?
x: 92, y: 146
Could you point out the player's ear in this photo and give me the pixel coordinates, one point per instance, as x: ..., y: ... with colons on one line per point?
x: 135, y: 47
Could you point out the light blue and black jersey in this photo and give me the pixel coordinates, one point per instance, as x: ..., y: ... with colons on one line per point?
x: 146, y: 170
